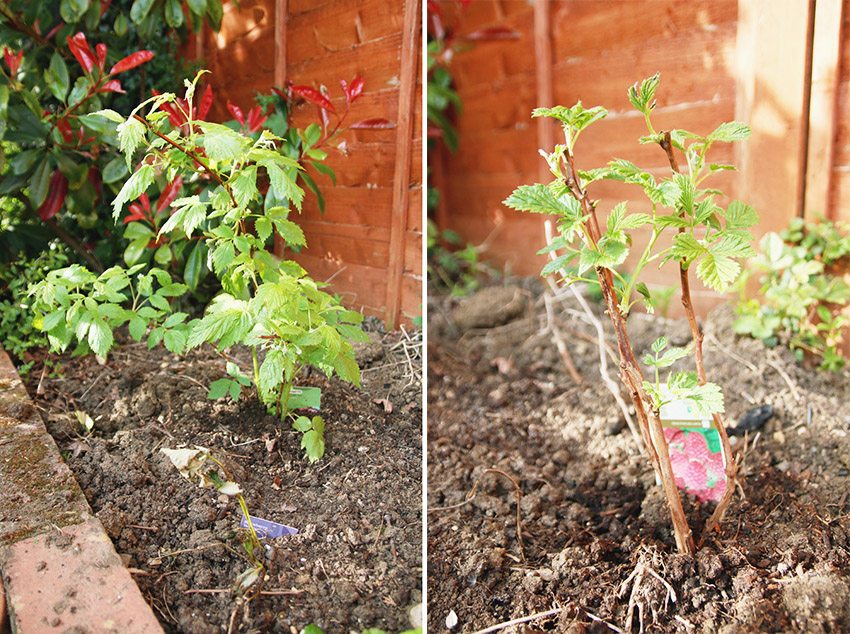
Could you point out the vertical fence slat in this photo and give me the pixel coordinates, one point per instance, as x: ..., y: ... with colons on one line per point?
x: 281, y: 17
x: 543, y: 68
x: 772, y: 93
x: 823, y: 125
x: 404, y: 149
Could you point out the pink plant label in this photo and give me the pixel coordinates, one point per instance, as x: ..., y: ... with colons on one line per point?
x: 266, y: 528
x: 695, y: 450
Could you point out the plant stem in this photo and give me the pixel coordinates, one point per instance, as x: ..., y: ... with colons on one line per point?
x: 190, y: 153
x: 697, y: 335
x: 650, y: 424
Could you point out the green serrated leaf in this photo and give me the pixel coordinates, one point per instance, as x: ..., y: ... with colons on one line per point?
x: 730, y: 131
x: 221, y: 143
x: 131, y: 133
x: 718, y: 271
x: 218, y: 389
x: 99, y: 337
x: 134, y: 187
x: 313, y: 444
x: 643, y: 97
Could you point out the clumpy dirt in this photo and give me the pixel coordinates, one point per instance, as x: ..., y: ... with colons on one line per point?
x: 356, y: 561
x: 590, y: 543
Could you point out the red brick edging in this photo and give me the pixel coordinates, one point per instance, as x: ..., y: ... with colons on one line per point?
x: 59, y: 568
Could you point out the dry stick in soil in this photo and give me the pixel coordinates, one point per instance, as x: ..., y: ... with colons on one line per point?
x: 471, y: 497
x: 600, y: 340
x: 731, y: 466
x: 631, y: 375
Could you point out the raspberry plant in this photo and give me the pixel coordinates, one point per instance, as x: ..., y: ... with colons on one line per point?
x: 270, y: 306
x: 708, y: 238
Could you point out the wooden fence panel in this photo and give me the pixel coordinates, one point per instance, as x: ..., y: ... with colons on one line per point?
x: 366, y: 241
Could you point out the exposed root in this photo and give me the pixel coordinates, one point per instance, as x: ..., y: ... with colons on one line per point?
x: 647, y: 597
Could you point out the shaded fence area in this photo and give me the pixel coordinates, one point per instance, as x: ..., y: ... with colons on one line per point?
x: 368, y: 241
x: 783, y: 68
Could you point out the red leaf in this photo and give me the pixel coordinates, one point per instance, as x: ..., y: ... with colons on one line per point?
x: 279, y: 92
x: 256, y: 119
x: 493, y: 33
x: 236, y: 111
x: 169, y: 193
x: 95, y: 178
x: 356, y: 88
x: 136, y: 213
x: 54, y: 30
x: 174, y: 116
x: 56, y: 192
x: 146, y: 202
x: 433, y: 7
x: 13, y: 61
x: 101, y: 55
x: 65, y: 130
x: 326, y: 120
x: 104, y: 5
x: 131, y: 61
x: 206, y: 102
x: 374, y: 124
x: 113, y: 85
x: 81, y: 51
x: 314, y: 96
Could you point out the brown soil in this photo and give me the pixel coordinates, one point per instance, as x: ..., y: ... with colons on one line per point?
x: 597, y: 544
x: 356, y: 561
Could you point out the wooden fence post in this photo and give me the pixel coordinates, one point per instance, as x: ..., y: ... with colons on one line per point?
x: 823, y: 105
x: 545, y: 90
x: 404, y: 147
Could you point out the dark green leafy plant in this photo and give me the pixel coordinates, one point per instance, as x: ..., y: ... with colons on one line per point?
x: 803, y: 292
x: 18, y: 336
x: 707, y: 237
x: 64, y: 60
x: 266, y: 304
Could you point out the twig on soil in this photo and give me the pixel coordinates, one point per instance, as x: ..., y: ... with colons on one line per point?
x: 548, y: 298
x: 716, y: 343
x: 471, y: 497
x: 524, y: 619
x: 207, y: 591
x: 93, y: 383
x: 611, y: 626
x: 771, y: 361
x: 685, y: 622
x: 193, y: 380
x: 276, y: 593
x: 144, y: 528
x: 600, y: 334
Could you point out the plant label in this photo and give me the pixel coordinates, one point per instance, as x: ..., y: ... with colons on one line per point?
x: 695, y: 451
x: 305, y: 398
x: 266, y: 528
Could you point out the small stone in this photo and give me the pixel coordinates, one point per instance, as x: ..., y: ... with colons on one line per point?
x: 783, y: 466
x: 779, y: 436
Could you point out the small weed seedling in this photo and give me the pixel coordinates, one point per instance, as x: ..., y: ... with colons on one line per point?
x: 268, y: 305
x: 708, y: 238
x: 200, y: 464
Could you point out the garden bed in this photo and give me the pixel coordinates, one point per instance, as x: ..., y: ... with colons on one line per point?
x: 597, y: 551
x: 356, y: 560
